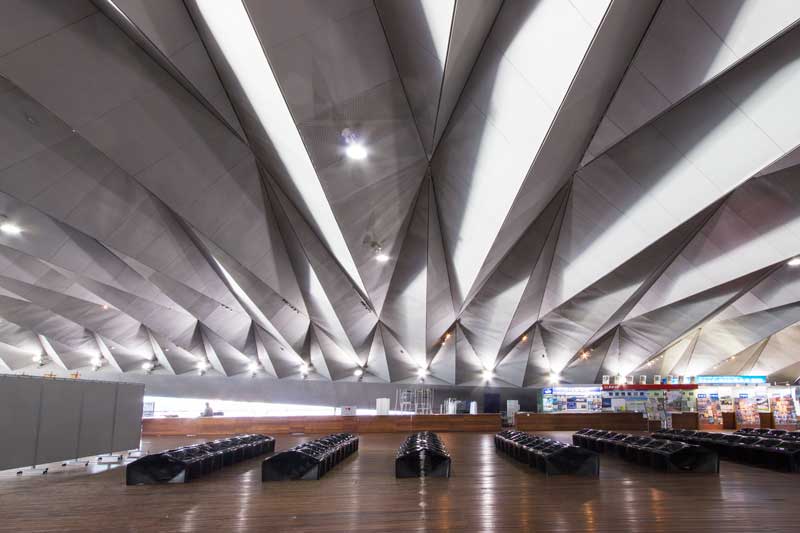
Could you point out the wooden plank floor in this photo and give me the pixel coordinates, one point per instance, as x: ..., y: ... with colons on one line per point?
x: 487, y: 492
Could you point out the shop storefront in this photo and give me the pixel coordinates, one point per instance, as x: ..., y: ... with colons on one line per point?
x: 575, y: 399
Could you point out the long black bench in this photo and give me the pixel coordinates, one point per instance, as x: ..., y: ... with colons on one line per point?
x: 775, y: 449
x: 422, y: 455
x: 650, y: 451
x: 549, y: 456
x: 186, y: 463
x: 310, y: 460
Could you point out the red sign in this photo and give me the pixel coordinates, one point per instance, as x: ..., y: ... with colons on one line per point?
x: 687, y: 386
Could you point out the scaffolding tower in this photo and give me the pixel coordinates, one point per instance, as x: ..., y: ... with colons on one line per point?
x: 417, y: 401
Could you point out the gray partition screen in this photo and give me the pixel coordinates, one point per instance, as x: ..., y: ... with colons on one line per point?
x: 45, y: 420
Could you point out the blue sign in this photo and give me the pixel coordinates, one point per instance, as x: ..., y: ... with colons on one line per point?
x: 743, y: 395
x: 714, y: 397
x: 730, y: 380
x: 547, y: 391
x: 701, y: 395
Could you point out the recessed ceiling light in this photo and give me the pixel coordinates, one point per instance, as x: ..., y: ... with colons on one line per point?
x: 381, y: 257
x: 422, y: 372
x: 253, y: 367
x: 147, y: 366
x: 554, y: 378
x: 487, y: 374
x: 354, y: 148
x: 358, y: 372
x: 202, y: 365
x: 793, y: 262
x: 10, y: 228
x: 356, y: 151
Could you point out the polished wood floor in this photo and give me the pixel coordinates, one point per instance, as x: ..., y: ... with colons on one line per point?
x: 487, y: 492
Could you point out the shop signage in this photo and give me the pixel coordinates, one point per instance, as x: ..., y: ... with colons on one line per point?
x: 681, y: 386
x: 730, y: 380
x: 571, y: 390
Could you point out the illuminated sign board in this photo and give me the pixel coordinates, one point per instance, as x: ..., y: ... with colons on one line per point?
x: 731, y: 380
x: 572, y: 390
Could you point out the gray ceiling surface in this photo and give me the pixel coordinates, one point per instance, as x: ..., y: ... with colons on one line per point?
x: 550, y: 190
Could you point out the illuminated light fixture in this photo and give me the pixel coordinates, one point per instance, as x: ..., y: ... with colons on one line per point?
x: 358, y: 372
x: 37, y: 358
x: 487, y: 374
x: 422, y: 372
x: 105, y: 307
x: 524, y: 337
x: 447, y: 335
x: 304, y: 368
x: 96, y: 362
x: 202, y: 366
x: 378, y: 253
x: 147, y: 366
x: 584, y: 355
x: 354, y: 149
x: 554, y: 377
x: 9, y: 228
x: 793, y: 262
x: 253, y: 367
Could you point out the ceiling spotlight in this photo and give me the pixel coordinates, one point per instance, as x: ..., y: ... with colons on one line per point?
x: 524, y: 337
x: 487, y: 374
x: 378, y: 253
x: 304, y: 368
x: 105, y: 307
x: 358, y: 372
x: 584, y: 355
x: 202, y: 365
x: 96, y: 361
x: 9, y: 228
x: 447, y: 335
x: 422, y: 372
x: 253, y: 367
x: 147, y: 366
x: 354, y: 149
x: 37, y: 358
x: 554, y: 377
x: 793, y: 262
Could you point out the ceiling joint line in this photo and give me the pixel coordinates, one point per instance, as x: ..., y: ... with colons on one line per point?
x: 399, y: 77
x: 621, y: 79
x: 307, y: 153
x: 656, y: 274
x: 466, y: 83
x: 704, y: 85
x: 135, y: 34
x: 444, y: 74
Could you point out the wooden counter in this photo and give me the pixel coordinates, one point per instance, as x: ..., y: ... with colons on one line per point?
x: 281, y: 425
x: 685, y: 420
x: 575, y: 421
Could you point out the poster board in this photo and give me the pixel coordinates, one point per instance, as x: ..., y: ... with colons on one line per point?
x: 709, y: 411
x: 784, y: 410
x: 746, y: 412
